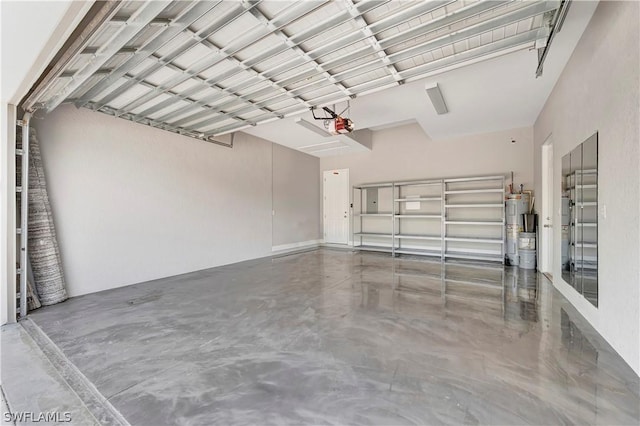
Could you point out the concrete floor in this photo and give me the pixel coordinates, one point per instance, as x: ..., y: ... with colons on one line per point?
x: 33, y: 384
x: 335, y: 337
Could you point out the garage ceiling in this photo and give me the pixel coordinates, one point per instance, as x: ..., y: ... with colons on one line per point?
x: 209, y: 68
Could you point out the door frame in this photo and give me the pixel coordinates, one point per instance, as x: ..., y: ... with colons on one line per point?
x: 348, y: 193
x: 546, y: 246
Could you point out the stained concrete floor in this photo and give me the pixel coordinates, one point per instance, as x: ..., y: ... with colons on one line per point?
x: 335, y: 337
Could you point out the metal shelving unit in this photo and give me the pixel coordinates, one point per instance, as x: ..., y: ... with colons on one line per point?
x: 583, y: 211
x: 461, y: 218
x: 418, y: 237
x: 419, y: 199
x: 580, y: 216
x: 372, y: 228
x: 470, y: 206
x: 474, y: 218
x: 366, y: 247
x: 474, y: 239
x: 468, y: 222
x: 473, y: 191
x: 417, y: 227
x: 423, y: 252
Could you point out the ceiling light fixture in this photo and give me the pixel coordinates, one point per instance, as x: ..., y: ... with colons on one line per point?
x: 433, y: 90
x: 309, y: 126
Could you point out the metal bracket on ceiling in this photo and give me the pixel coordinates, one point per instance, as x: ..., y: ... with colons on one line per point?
x: 556, y: 26
x: 216, y: 140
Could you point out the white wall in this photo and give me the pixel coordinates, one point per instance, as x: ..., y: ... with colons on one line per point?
x: 599, y: 91
x: 32, y: 32
x: 405, y: 152
x: 132, y: 203
x: 296, y: 198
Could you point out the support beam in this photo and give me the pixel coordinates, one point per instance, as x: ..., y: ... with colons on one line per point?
x: 379, y: 26
x: 220, y: 140
x: 441, y: 22
x: 527, y: 11
x: 509, y: 44
x: 226, y: 52
x: 297, y: 39
x: 185, y: 96
x: 181, y: 23
x: 136, y: 23
x: 374, y: 42
x: 223, y: 91
x: 357, y: 36
x: 139, y: 118
x: 220, y: 23
x: 279, y: 33
x: 362, y: 7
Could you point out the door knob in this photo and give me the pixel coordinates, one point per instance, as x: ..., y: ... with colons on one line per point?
x: 547, y: 226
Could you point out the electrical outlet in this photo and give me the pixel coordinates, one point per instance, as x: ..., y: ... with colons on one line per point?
x: 604, y: 211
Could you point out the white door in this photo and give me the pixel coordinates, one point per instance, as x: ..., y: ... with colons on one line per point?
x: 546, y: 234
x: 336, y: 206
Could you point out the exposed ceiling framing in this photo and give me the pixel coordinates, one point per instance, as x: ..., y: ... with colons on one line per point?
x: 209, y: 68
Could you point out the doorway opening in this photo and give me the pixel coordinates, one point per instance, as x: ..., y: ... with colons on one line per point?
x: 335, y: 206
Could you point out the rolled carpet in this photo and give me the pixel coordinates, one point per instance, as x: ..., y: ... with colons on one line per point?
x: 44, y: 252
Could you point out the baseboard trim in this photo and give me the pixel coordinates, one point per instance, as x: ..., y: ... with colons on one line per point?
x: 337, y: 246
x: 283, y: 248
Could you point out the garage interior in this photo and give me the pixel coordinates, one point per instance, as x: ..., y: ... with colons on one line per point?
x: 320, y: 212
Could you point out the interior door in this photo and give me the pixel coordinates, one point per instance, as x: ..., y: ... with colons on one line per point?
x: 336, y: 206
x: 546, y: 234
